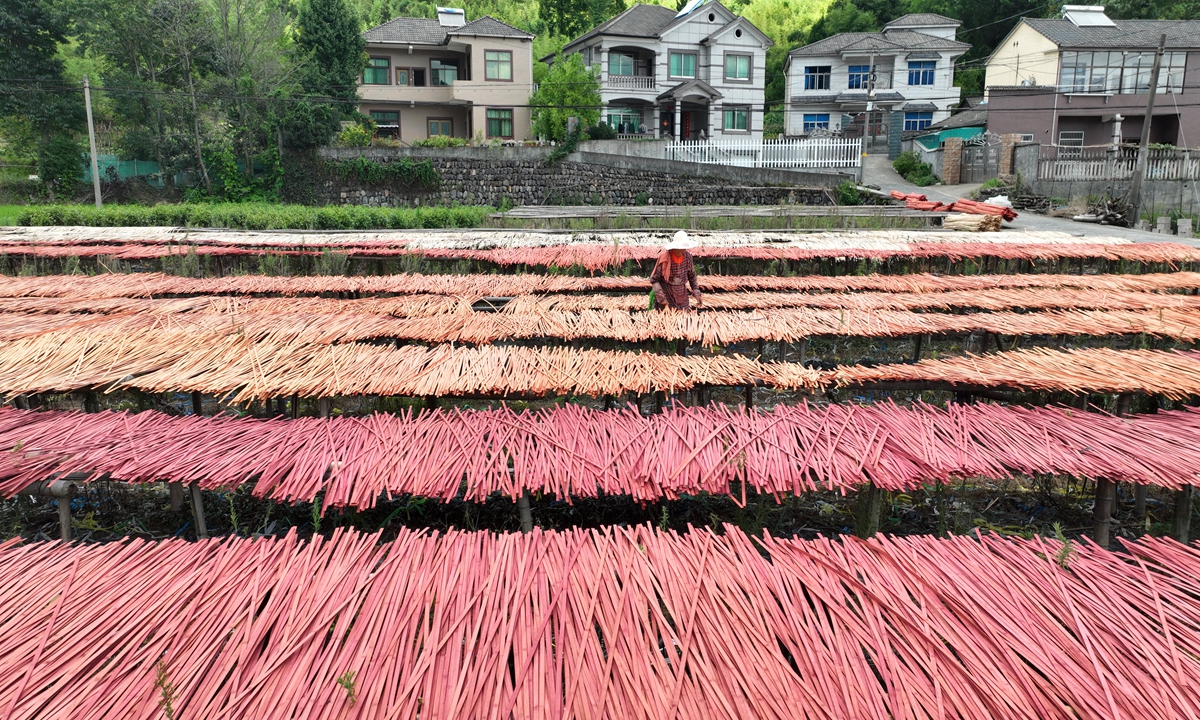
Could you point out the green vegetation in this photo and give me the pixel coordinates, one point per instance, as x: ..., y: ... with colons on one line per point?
x: 569, y: 90
x: 406, y: 172
x: 353, y: 136
x: 256, y: 216
x: 913, y: 170
x: 847, y: 193
x: 992, y: 183
x: 10, y: 213
x: 441, y: 141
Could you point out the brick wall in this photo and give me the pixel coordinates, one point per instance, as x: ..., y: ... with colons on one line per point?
x: 952, y: 161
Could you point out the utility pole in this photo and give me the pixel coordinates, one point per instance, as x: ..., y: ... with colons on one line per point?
x: 87, y: 100
x: 1139, y: 171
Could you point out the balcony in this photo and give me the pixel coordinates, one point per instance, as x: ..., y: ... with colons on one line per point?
x: 630, y: 82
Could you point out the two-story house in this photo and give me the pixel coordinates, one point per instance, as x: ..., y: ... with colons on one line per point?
x: 850, y: 81
x: 696, y: 73
x: 1083, y: 80
x: 448, y: 77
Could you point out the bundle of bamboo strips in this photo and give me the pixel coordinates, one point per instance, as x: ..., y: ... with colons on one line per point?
x: 972, y: 223
x: 621, y: 622
x: 571, y: 452
x: 471, y: 287
x: 715, y: 327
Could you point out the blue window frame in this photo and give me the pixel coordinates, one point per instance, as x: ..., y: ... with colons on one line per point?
x: 920, y: 72
x: 917, y: 120
x: 814, y: 121
x: 860, y: 77
x: 816, y: 77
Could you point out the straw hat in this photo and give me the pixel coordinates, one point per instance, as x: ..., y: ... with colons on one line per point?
x: 681, y: 241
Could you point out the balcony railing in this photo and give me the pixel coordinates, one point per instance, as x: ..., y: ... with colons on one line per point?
x: 631, y: 82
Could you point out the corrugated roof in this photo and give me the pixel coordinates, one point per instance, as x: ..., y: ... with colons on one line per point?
x: 638, y: 21
x: 923, y: 20
x: 1137, y: 34
x: 489, y: 26
x: 888, y: 40
x: 414, y: 31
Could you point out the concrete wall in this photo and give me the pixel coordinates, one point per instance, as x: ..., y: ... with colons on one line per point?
x: 522, y: 176
x: 1158, y: 196
x: 1025, y: 56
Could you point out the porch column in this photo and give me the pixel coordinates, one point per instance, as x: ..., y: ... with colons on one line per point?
x: 712, y: 128
x: 603, y: 65
x: 657, y: 121
x: 678, y: 118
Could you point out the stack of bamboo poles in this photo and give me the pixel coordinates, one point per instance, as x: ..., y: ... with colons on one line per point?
x: 713, y: 328
x: 571, y: 452
x: 629, y: 623
x: 972, y: 223
x: 150, y: 285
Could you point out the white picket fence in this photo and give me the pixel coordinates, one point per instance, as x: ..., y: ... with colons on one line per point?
x: 1089, y: 164
x: 832, y: 152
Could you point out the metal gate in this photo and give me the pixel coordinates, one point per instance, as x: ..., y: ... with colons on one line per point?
x: 980, y: 158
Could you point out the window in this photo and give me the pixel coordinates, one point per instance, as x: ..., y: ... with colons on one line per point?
x: 917, y: 120
x: 737, y: 67
x: 619, y: 64
x: 440, y: 126
x: 816, y: 77
x: 377, y: 71
x: 1070, y: 144
x: 500, y: 123
x: 682, y: 65
x: 920, y: 72
x: 624, y: 120
x: 737, y: 119
x: 417, y: 77
x: 1119, y: 72
x: 860, y: 77
x: 497, y: 65
x: 1026, y: 137
x: 816, y: 121
x: 443, y: 72
x: 387, y: 124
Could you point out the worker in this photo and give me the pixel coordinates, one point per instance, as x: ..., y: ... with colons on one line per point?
x: 673, y: 274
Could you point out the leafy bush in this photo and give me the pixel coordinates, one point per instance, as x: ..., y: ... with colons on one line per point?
x: 906, y: 162
x: 992, y: 183
x: 847, y: 193
x: 601, y: 131
x: 440, y: 141
x: 60, y: 164
x: 256, y: 216
x: 404, y: 172
x: 910, y: 167
x: 353, y: 136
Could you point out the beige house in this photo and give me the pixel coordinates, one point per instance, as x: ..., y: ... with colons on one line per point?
x: 447, y: 77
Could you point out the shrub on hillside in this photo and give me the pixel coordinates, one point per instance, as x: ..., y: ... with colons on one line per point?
x: 910, y: 167
x: 353, y: 136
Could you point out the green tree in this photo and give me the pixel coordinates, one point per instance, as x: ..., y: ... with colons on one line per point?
x: 330, y: 50
x: 33, y: 92
x: 571, y: 18
x: 569, y: 90
x: 843, y: 16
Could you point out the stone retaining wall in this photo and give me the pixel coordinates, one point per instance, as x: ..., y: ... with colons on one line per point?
x: 521, y: 176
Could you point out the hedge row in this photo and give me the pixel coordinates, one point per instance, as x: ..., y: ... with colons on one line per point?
x: 256, y: 216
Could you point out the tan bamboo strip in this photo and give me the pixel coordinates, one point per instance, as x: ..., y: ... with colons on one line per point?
x: 473, y: 287
x: 600, y: 257
x: 171, y: 359
x: 720, y: 328
x: 414, y: 306
x: 1173, y: 374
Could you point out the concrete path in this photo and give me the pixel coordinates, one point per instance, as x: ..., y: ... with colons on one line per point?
x: 877, y: 170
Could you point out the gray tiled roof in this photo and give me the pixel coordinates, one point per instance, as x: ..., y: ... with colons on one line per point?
x: 923, y: 20
x: 488, y: 26
x: 920, y: 106
x: 972, y: 117
x: 862, y: 97
x: 415, y: 31
x: 886, y: 41
x: 1141, y: 34
x: 638, y: 21
x: 687, y: 87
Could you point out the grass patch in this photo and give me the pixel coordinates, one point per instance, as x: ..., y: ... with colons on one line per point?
x: 256, y: 216
x: 10, y: 213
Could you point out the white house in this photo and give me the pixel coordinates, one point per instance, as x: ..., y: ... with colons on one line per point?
x: 699, y: 72
x: 907, y: 67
